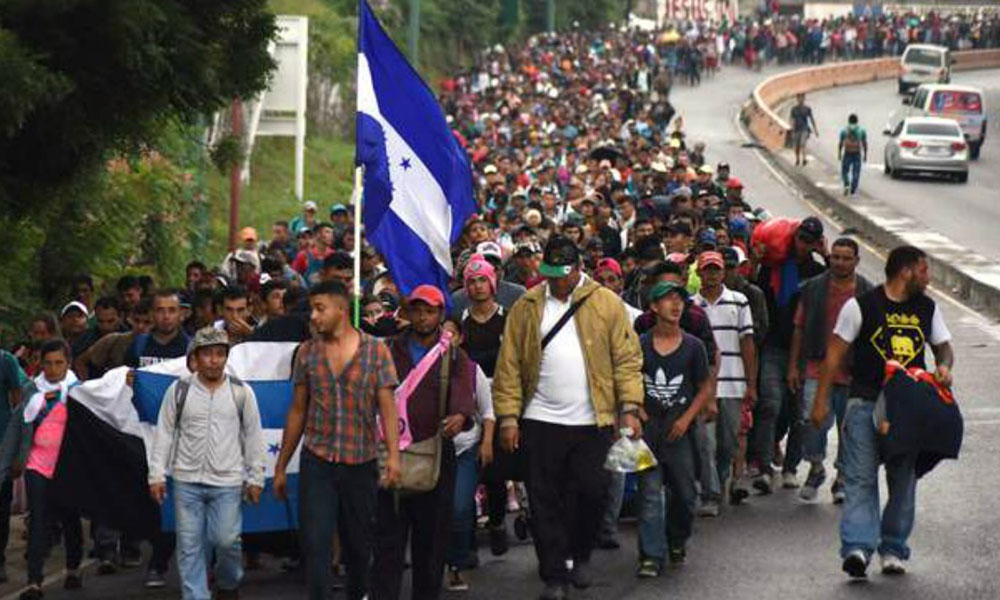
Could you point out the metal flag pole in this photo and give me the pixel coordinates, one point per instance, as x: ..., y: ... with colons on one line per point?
x: 357, y: 197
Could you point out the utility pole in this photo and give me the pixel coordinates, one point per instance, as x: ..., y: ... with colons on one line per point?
x: 550, y: 16
x: 415, y: 34
x: 234, y: 176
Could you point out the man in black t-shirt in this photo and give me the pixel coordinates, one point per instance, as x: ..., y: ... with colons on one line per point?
x: 677, y: 386
x: 167, y: 340
x: 896, y: 321
x: 802, y: 118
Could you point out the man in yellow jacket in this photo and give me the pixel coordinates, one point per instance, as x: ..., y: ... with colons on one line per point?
x: 567, y: 374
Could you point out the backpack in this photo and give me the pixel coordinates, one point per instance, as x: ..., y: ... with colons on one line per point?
x: 852, y: 140
x: 184, y: 386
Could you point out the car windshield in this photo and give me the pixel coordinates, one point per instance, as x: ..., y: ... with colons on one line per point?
x: 933, y: 129
x: 964, y: 103
x: 919, y: 56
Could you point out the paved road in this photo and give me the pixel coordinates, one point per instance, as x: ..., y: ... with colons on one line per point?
x: 777, y: 547
x: 967, y: 214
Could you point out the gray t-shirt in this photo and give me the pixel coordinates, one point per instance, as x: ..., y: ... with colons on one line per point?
x: 800, y: 117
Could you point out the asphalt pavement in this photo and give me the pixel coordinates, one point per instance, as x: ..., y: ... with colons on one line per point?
x: 968, y: 214
x: 776, y: 546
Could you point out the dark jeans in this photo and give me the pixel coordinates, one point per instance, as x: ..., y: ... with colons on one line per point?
x: 568, y: 491
x: 336, y: 498
x: 463, y: 523
x: 505, y: 467
x: 6, y: 497
x: 39, y: 532
x: 425, y: 521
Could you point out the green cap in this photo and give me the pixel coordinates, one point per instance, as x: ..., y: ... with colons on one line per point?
x: 663, y: 288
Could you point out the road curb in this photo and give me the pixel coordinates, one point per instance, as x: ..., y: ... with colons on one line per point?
x: 965, y: 286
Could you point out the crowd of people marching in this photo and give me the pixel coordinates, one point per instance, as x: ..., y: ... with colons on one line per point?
x: 616, y: 281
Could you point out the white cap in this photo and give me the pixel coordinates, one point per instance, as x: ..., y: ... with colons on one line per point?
x: 310, y: 205
x: 74, y: 304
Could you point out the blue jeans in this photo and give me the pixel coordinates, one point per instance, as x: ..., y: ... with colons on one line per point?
x: 659, y: 529
x: 209, y: 518
x: 708, y: 474
x: 813, y: 439
x: 463, y: 519
x: 850, y: 170
x: 860, y: 526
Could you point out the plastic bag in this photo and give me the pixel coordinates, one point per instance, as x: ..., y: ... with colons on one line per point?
x: 628, y: 455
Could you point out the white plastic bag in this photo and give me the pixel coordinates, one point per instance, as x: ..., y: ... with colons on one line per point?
x: 628, y: 455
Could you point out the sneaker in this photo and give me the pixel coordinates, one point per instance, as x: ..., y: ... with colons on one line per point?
x: 847, y: 191
x: 762, y: 483
x: 155, y: 580
x: 455, y: 582
x: 580, y: 576
x: 648, y: 569
x: 815, y: 479
x: 856, y: 564
x: 838, y: 490
x: 740, y: 491
x: 789, y: 481
x: 498, y: 540
x: 34, y: 592
x: 892, y: 565
x: 73, y: 581
x: 107, y: 567
x: 678, y: 556
x: 778, y: 458
x: 709, y: 508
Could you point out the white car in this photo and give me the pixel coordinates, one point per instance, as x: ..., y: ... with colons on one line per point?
x: 924, y: 63
x: 927, y: 145
x: 965, y: 105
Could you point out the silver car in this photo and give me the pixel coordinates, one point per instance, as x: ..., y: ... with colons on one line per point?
x: 927, y: 145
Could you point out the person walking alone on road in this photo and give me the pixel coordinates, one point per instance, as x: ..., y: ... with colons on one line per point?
x: 852, y: 151
x: 802, y: 121
x: 209, y: 437
x: 894, y: 321
x: 569, y: 369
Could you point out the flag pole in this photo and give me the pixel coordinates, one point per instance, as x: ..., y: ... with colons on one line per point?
x: 358, y: 195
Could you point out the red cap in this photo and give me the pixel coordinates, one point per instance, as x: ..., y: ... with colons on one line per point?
x: 734, y: 184
x: 609, y: 264
x: 677, y: 257
x: 711, y: 258
x: 427, y: 294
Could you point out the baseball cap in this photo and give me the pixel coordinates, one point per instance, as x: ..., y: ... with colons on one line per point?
x: 706, y: 259
x: 707, y: 169
x: 338, y: 208
x: 74, y: 305
x: 663, y: 288
x: 245, y: 256
x: 734, y: 184
x: 733, y: 256
x: 427, y: 294
x: 490, y: 250
x: 707, y: 237
x: 810, y: 230
x: 560, y: 257
x: 678, y: 258
x: 208, y: 336
x: 721, y: 166
x: 527, y: 248
x: 489, y: 170
x: 608, y: 264
x: 309, y: 205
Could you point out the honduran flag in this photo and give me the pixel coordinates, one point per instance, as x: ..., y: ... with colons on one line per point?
x: 102, y: 468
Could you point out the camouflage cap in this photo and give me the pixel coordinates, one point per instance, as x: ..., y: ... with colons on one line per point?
x: 208, y: 336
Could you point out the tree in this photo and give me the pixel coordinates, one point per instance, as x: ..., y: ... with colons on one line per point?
x: 83, y: 78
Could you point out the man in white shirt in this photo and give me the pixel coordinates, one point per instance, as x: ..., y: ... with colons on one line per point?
x: 729, y: 313
x: 569, y: 370
x: 208, y: 436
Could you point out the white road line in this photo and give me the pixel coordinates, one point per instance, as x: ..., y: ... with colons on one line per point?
x: 816, y: 209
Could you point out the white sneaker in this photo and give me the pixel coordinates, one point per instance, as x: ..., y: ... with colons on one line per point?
x: 789, y: 481
x: 892, y: 565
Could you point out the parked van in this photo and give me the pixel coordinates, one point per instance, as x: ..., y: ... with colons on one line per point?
x: 966, y: 105
x: 924, y: 63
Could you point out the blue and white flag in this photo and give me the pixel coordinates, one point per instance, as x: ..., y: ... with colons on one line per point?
x: 130, y: 413
x: 418, y: 182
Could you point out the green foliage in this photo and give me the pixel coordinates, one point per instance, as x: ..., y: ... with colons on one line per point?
x: 590, y: 14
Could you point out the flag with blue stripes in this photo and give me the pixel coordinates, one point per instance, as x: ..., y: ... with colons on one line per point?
x: 417, y: 178
x: 264, y: 366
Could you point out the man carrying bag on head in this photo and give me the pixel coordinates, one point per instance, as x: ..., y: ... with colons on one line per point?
x: 567, y: 375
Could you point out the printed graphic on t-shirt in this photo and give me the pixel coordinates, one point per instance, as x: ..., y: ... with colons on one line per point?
x: 665, y: 393
x: 900, y: 338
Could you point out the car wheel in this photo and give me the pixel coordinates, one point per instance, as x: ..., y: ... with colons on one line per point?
x: 962, y: 177
x: 974, y: 150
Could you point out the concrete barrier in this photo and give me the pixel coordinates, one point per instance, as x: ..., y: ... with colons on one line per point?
x: 773, y: 132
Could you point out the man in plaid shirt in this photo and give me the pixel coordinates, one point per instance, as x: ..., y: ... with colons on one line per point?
x: 341, y: 377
